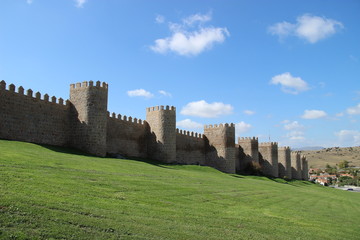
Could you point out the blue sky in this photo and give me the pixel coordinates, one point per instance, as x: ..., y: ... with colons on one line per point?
x: 284, y: 70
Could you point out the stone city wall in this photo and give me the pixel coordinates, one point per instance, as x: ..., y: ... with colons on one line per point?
x: 83, y: 122
x: 190, y: 148
x: 29, y: 117
x: 127, y: 136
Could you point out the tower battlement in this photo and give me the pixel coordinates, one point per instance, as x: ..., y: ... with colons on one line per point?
x: 247, y: 139
x: 86, y: 84
x: 286, y: 148
x: 268, y: 144
x: 161, y: 108
x: 221, y: 125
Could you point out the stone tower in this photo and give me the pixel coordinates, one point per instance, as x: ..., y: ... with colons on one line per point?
x: 249, y: 153
x: 284, y: 162
x: 269, y: 158
x: 89, y: 116
x: 220, y: 150
x: 162, y: 143
x: 296, y: 172
x: 304, y: 168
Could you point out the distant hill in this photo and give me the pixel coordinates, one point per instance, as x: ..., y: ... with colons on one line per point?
x: 319, y: 158
x: 308, y: 148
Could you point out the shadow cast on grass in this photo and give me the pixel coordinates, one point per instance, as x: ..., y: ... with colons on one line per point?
x: 66, y: 150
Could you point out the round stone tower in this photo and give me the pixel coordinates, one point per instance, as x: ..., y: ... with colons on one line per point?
x: 162, y: 122
x: 220, y: 147
x: 89, y: 116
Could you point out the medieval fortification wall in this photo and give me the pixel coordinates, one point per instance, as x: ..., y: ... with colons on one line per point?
x: 83, y: 122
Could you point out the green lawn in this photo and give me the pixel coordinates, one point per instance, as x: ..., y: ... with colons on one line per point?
x: 55, y: 193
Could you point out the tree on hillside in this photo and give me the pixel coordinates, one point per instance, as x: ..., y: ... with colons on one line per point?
x: 343, y: 164
x: 330, y: 170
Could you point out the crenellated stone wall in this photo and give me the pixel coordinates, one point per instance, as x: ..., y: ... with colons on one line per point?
x: 83, y: 122
x: 190, y: 148
x: 127, y: 136
x: 29, y: 118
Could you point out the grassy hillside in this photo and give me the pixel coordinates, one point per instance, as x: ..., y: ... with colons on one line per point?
x: 332, y: 156
x: 50, y: 193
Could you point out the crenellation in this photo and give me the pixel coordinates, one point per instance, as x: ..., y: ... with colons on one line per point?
x: 2, y: 85
x: 46, y: 97
x: 130, y: 119
x: 11, y: 88
x: 21, y: 90
x: 188, y: 133
x: 61, y: 101
x: 113, y: 115
x: 29, y: 93
x: 38, y: 95
x: 284, y: 148
x: 89, y: 84
x: 268, y: 144
x: 53, y: 99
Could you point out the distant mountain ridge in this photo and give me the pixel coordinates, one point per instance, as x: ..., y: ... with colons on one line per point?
x: 314, y: 148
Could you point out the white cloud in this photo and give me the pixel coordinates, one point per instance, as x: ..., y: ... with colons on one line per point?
x: 80, y: 3
x: 207, y: 110
x: 295, y: 125
x: 354, y: 110
x: 313, y: 114
x: 309, y: 27
x: 193, y: 42
x: 140, y: 93
x: 200, y: 18
x: 189, y: 124
x: 242, y: 127
x: 290, y: 84
x: 349, y: 137
x: 282, y: 29
x: 164, y: 93
x: 249, y: 112
x: 296, y: 135
x: 160, y: 19
x: 29, y: 1
x: 340, y: 114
